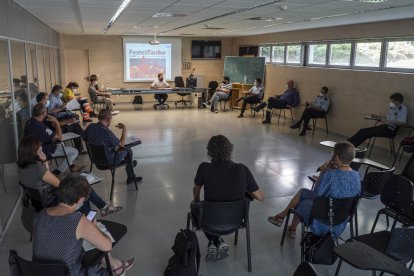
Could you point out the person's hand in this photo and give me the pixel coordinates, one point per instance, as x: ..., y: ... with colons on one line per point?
x: 42, y: 155
x: 120, y: 126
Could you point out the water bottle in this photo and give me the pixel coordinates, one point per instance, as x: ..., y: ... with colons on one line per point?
x: 245, y: 79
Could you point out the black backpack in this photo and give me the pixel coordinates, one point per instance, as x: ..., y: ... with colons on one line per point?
x: 137, y: 100
x: 186, y: 259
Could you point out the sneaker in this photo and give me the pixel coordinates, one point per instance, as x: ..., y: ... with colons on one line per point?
x: 134, y: 163
x: 223, y: 250
x: 216, y: 111
x: 302, y: 133
x: 240, y: 116
x: 295, y: 126
x: 205, y: 104
x: 114, y: 112
x: 133, y: 180
x: 211, y: 253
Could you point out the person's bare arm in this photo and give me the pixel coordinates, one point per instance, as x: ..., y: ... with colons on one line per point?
x: 196, y: 193
x: 258, y: 194
x: 123, y: 135
x: 88, y: 231
x: 56, y: 126
x: 51, y: 179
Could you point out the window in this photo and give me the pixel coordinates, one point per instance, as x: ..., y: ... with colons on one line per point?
x: 264, y: 51
x: 400, y: 54
x: 317, y: 54
x: 367, y: 54
x: 340, y: 54
x: 293, y: 53
x: 278, y: 53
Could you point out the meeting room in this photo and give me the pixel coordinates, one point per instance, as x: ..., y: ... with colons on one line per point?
x: 214, y: 138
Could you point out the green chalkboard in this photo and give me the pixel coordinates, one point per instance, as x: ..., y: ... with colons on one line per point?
x: 244, y: 69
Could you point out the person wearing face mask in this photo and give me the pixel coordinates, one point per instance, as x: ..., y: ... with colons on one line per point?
x: 253, y: 95
x: 289, y: 98
x: 336, y: 180
x: 94, y: 93
x: 222, y: 93
x: 69, y: 94
x: 160, y: 83
x: 316, y: 109
x: 396, y: 116
x: 59, y: 232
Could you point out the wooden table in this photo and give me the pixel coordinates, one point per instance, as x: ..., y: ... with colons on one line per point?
x: 364, y: 257
x: 237, y: 92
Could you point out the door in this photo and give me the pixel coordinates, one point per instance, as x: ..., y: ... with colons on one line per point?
x: 77, y: 69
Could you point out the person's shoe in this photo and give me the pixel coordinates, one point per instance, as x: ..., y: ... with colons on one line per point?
x: 259, y: 107
x: 76, y: 169
x: 114, y: 104
x: 134, y: 163
x: 133, y: 180
x: 114, y: 112
x: 109, y: 209
x: 240, y: 116
x: 216, y: 111
x: 302, y: 133
x: 223, y: 250
x: 295, y: 126
x: 267, y: 120
x: 205, y: 104
x: 211, y: 253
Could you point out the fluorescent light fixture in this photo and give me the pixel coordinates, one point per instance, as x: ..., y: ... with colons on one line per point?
x: 167, y: 15
x: 120, y: 10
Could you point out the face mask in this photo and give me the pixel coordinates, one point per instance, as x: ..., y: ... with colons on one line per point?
x: 392, y: 105
x: 321, y: 94
x: 47, y: 104
x: 60, y: 95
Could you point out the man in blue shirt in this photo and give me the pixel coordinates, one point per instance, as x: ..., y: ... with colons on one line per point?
x: 289, y: 98
x: 99, y: 134
x: 316, y: 109
x: 396, y: 116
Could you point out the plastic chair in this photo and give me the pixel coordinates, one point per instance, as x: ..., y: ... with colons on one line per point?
x: 22, y: 267
x: 343, y: 209
x: 397, y: 196
x: 253, y: 106
x: 372, y: 186
x: 225, y: 101
x: 315, y: 119
x: 224, y: 218
x: 179, y: 83
x: 97, y: 101
x: 305, y: 269
x: 31, y: 205
x: 390, y: 140
x: 98, y: 156
x: 212, y: 86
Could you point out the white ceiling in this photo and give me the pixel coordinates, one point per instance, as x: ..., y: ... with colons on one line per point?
x: 91, y: 16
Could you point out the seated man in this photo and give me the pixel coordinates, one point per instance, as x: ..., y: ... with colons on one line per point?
x: 69, y: 94
x: 223, y: 180
x: 253, y: 95
x: 99, y: 134
x: 36, y: 126
x: 160, y: 83
x: 94, y: 93
x: 336, y: 180
x: 316, y: 109
x: 289, y: 98
x: 396, y: 116
x: 222, y: 93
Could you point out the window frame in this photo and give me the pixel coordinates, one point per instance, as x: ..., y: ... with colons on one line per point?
x: 370, y: 68
x: 300, y: 63
x: 328, y: 61
x: 385, y: 52
x: 284, y: 54
x: 260, y: 52
x: 307, y: 52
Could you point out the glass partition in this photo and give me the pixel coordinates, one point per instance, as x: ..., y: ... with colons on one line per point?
x: 40, y: 68
x: 47, y: 69
x: 57, y: 66
x: 52, y: 67
x: 9, y: 188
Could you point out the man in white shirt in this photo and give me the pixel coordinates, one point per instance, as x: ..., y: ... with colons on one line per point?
x: 253, y: 95
x: 160, y: 83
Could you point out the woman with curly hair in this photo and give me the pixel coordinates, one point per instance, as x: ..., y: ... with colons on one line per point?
x: 223, y: 180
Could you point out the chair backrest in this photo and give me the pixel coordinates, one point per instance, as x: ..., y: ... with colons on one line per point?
x: 223, y: 218
x: 22, y: 267
x: 94, y: 97
x: 343, y: 208
x: 374, y: 182
x: 408, y: 171
x: 305, y: 269
x: 179, y: 82
x: 98, y: 156
x: 212, y: 85
x: 398, y: 194
x: 32, y: 197
x: 401, y: 244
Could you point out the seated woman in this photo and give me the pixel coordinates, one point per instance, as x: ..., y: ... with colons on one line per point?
x: 58, y: 232
x: 94, y: 93
x: 69, y: 94
x: 33, y: 171
x: 336, y: 180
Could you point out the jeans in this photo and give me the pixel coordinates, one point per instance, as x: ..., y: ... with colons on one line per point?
x: 109, y: 103
x: 196, y: 211
x: 216, y: 97
x: 128, y: 156
x: 71, y: 154
x: 95, y: 199
x: 161, y: 98
x: 366, y: 133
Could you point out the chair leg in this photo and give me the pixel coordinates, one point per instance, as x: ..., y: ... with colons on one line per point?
x: 356, y: 224
x: 291, y: 115
x: 108, y: 264
x: 372, y: 146
x: 90, y: 169
x: 375, y: 222
x: 338, y: 267
x: 236, y: 236
x: 394, y: 224
x: 249, y: 252
x: 326, y: 124
x: 314, y: 125
x: 112, y: 185
x: 188, y: 220
x: 285, y: 228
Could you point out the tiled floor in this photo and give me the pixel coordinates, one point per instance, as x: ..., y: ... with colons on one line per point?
x: 174, y: 143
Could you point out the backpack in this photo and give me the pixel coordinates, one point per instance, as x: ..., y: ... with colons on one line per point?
x: 186, y: 258
x: 137, y: 100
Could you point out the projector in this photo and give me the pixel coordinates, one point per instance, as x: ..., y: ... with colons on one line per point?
x: 154, y: 41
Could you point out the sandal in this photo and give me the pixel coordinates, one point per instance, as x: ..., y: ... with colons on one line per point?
x: 125, y: 266
x: 276, y: 220
x: 291, y: 232
x: 110, y: 210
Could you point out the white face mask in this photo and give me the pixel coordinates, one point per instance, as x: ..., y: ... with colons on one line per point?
x: 60, y: 95
x: 74, y: 90
x: 321, y: 94
x: 47, y: 104
x: 392, y: 105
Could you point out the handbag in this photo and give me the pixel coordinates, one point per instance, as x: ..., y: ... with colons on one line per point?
x: 320, y: 250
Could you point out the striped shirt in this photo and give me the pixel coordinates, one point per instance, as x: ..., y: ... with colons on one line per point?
x: 224, y: 86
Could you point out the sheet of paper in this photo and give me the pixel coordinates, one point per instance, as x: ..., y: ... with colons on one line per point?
x: 72, y: 104
x: 87, y: 246
x: 131, y: 139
